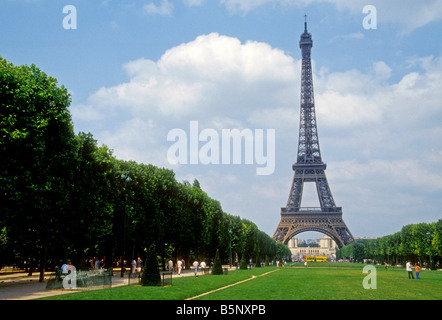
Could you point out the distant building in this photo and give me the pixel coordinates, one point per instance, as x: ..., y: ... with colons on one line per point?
x: 366, y: 238
x: 327, y: 247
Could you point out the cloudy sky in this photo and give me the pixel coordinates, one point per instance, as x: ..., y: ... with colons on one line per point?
x: 139, y: 69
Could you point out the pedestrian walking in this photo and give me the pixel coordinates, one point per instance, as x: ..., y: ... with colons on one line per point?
x: 139, y: 266
x: 134, y: 267
x: 170, y: 264
x: 179, y: 264
x: 195, y: 265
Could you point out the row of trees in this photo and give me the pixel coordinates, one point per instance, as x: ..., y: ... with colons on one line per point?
x: 418, y: 243
x: 64, y: 197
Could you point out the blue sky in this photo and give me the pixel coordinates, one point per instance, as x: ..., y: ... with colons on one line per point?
x: 138, y: 69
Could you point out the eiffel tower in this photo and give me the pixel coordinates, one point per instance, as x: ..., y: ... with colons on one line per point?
x: 309, y: 167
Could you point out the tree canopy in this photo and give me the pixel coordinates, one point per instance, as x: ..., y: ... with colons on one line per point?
x: 63, y: 197
x: 415, y: 242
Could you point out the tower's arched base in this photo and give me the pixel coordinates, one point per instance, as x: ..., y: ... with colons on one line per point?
x: 329, y: 223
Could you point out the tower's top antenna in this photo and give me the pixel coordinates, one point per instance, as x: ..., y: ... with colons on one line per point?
x: 305, y: 23
x: 306, y: 38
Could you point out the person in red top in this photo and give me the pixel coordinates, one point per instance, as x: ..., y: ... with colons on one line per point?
x: 417, y: 271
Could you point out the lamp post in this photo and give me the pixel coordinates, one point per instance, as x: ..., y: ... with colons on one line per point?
x: 126, y: 179
x: 230, y: 246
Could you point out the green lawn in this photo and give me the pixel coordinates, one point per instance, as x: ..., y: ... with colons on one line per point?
x: 317, y: 282
x: 334, y: 284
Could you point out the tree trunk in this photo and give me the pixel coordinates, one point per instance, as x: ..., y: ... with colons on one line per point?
x: 31, y: 267
x: 43, y: 265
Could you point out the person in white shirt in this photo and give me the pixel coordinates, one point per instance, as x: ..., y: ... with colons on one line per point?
x: 134, y: 265
x: 170, y: 264
x: 203, y: 267
x: 410, y: 270
x: 179, y: 264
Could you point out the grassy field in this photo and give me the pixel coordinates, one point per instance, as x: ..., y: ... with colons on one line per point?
x: 317, y: 282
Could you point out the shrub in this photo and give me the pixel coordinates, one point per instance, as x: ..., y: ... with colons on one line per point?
x: 151, y: 274
x: 217, y: 267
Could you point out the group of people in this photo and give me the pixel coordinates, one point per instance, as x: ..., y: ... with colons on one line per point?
x: 67, y: 267
x: 283, y: 264
x: 137, y: 266
x: 180, y: 265
x: 409, y: 268
x: 91, y: 263
x: 202, y: 265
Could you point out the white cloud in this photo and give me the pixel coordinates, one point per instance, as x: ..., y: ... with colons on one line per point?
x: 165, y: 8
x: 244, y: 5
x: 408, y: 15
x: 379, y: 136
x: 215, y: 79
x: 224, y: 83
x: 194, y: 3
x: 85, y: 112
x: 392, y: 175
x: 350, y: 36
x: 210, y: 75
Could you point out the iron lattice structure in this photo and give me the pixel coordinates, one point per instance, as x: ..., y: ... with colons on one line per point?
x: 309, y: 167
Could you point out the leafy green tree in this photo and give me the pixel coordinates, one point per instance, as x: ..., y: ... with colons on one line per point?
x: 420, y: 240
x: 234, y: 229
x: 70, y: 199
x: 258, y: 261
x: 358, y: 251
x: 90, y: 201
x: 37, y: 149
x: 282, y: 251
x: 407, y: 243
x: 413, y: 242
x: 436, y: 242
